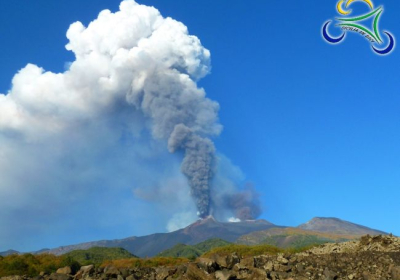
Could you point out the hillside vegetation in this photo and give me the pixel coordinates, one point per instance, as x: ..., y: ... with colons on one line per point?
x: 292, y: 238
x: 145, y: 263
x: 296, y: 241
x: 32, y: 265
x: 97, y: 255
x: 254, y: 250
x: 193, y: 251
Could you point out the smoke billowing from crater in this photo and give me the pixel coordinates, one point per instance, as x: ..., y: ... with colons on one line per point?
x: 197, y: 164
x: 244, y: 204
x: 131, y: 90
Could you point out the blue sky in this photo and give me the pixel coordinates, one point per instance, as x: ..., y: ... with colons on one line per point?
x: 314, y: 127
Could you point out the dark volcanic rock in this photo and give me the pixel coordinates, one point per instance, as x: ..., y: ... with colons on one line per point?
x: 59, y: 276
x: 195, y: 273
x: 226, y: 261
x: 64, y: 270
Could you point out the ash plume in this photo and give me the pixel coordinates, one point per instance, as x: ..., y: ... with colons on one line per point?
x: 244, y: 207
x: 244, y: 204
x: 104, y: 123
x: 197, y: 164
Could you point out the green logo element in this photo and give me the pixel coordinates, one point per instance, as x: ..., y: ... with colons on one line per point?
x: 353, y: 24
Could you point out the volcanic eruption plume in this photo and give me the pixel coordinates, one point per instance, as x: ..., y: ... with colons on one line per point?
x: 134, y: 71
x: 197, y: 164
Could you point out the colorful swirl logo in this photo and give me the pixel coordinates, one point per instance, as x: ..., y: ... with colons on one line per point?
x: 353, y: 24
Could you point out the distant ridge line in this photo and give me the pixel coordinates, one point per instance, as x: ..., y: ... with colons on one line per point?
x: 207, y: 228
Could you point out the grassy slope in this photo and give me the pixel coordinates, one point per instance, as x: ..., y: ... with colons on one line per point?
x: 254, y: 250
x: 97, y: 255
x: 193, y: 251
x: 148, y: 262
x: 292, y: 238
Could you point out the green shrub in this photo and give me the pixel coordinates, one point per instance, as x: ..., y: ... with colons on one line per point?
x: 244, y: 250
x: 193, y: 251
x: 150, y: 262
x: 97, y: 255
x: 32, y: 265
x: 73, y: 264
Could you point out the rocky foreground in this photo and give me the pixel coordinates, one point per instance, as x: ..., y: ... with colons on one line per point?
x: 371, y: 258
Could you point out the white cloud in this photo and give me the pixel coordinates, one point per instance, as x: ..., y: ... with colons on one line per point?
x: 181, y: 220
x: 100, y: 129
x: 75, y: 144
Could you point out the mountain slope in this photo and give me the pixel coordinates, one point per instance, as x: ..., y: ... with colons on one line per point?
x: 338, y: 226
x: 204, y: 229
x: 291, y: 237
x: 97, y: 255
x: 9, y: 252
x: 197, y: 232
x: 211, y: 244
x: 181, y: 251
x: 191, y: 251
